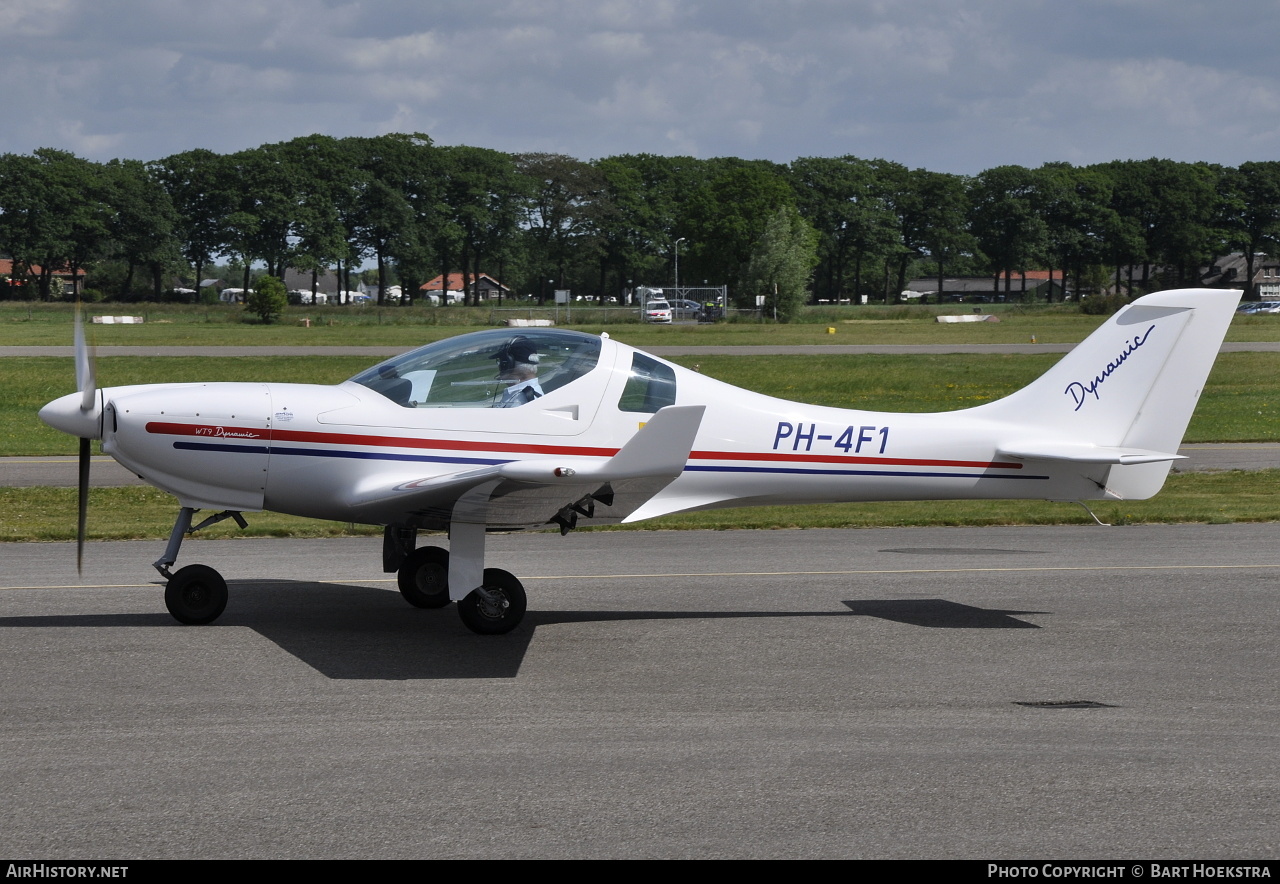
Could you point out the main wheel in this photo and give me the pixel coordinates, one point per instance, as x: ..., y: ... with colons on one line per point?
x: 424, y: 577
x: 195, y: 595
x: 500, y: 609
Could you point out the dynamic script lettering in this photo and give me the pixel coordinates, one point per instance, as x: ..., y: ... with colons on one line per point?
x: 225, y: 432
x: 1081, y: 391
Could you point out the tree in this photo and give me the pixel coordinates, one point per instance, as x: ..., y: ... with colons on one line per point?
x: 396, y: 206
x: 53, y: 212
x: 782, y: 263
x: 1075, y: 204
x: 845, y: 201
x: 943, y: 218
x: 261, y: 209
x: 644, y: 199
x: 327, y: 182
x: 1174, y: 208
x: 481, y: 203
x: 142, y: 222
x: 562, y: 212
x: 268, y: 298
x: 1252, y: 216
x: 199, y: 192
x: 1004, y: 223
x: 725, y: 218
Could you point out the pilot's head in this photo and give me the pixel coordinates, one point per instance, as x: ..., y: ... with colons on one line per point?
x: 518, y: 357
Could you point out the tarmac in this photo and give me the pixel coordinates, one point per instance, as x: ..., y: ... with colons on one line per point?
x: 1017, y: 694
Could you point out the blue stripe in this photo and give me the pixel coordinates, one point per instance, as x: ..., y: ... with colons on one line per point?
x: 893, y: 473
x: 374, y: 455
x: 325, y: 452
x: 484, y: 461
x: 209, y: 446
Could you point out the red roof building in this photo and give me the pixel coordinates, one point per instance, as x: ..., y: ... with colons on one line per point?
x: 484, y: 284
x: 72, y: 282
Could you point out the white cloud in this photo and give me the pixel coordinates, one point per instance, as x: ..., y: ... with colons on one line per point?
x: 410, y: 50
x: 618, y: 47
x: 34, y: 18
x: 956, y: 85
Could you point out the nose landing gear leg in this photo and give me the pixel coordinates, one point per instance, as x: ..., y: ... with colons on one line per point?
x: 196, y: 594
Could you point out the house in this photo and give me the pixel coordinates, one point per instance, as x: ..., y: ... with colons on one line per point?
x: 1232, y: 271
x: 985, y: 289
x: 300, y: 281
x: 484, y: 285
x: 71, y: 282
x: 328, y: 290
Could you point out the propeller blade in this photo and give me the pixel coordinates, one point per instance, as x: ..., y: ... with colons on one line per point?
x: 83, y: 503
x: 85, y: 382
x: 87, y: 386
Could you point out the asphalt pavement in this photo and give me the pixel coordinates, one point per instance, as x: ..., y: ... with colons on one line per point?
x: 1032, y: 693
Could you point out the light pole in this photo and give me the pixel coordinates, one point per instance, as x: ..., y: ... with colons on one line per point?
x: 680, y: 240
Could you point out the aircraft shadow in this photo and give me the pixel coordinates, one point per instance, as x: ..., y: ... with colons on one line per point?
x: 358, y: 632
x: 941, y: 614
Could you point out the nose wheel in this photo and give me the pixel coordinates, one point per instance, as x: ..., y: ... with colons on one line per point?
x: 196, y: 595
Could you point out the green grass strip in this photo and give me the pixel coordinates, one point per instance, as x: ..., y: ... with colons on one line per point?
x: 48, y: 514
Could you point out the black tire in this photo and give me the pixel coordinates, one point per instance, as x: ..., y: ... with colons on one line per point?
x: 424, y: 577
x: 196, y: 595
x: 499, y: 616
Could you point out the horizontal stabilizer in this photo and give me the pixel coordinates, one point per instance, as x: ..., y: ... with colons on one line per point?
x: 1081, y: 452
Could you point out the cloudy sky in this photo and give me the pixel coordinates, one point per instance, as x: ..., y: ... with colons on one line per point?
x: 948, y: 85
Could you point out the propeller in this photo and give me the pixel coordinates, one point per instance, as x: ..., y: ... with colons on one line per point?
x: 83, y: 503
x: 79, y: 414
x: 86, y: 386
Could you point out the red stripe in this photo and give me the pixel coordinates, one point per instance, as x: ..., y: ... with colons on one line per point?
x: 213, y: 431
x: 208, y: 431
x: 838, y: 458
x: 276, y: 435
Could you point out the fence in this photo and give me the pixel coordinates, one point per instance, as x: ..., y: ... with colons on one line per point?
x: 564, y: 313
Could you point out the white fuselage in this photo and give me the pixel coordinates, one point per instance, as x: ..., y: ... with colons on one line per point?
x: 307, y: 449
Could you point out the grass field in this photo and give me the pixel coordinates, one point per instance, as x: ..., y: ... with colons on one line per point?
x: 23, y: 324
x: 36, y: 514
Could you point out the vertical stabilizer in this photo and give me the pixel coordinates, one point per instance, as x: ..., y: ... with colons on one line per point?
x: 1129, y: 389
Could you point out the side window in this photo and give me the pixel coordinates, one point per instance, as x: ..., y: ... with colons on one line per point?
x: 651, y: 386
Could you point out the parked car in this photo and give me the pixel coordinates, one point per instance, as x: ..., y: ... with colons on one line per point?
x: 1259, y: 307
x: 683, y: 309
x: 657, y: 311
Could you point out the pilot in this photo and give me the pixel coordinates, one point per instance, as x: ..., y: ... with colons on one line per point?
x: 394, y: 387
x: 518, y: 366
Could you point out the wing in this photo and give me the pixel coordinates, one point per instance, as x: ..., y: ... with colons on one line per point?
x: 534, y: 492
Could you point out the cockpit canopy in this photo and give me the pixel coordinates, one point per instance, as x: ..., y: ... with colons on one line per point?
x: 473, y: 370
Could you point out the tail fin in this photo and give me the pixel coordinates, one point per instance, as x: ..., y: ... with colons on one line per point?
x: 1125, y: 395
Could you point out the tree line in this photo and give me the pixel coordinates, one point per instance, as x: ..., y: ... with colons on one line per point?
x: 818, y: 229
